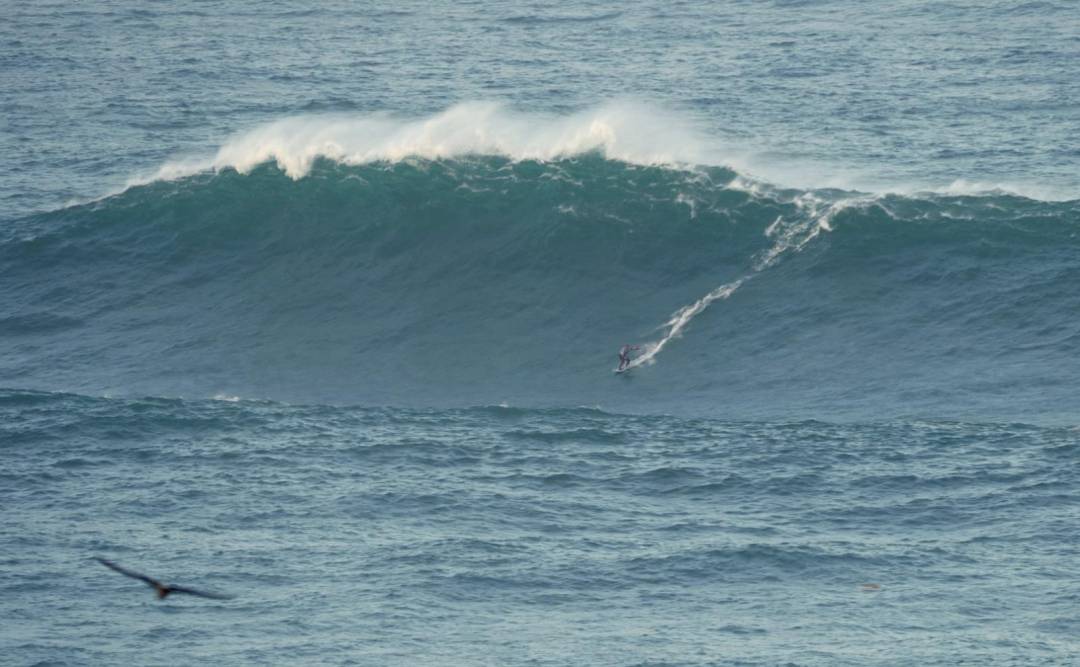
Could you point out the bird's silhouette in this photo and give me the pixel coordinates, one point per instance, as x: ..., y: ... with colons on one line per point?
x: 163, y: 590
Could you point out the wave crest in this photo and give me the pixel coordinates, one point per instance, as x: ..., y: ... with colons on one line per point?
x: 628, y: 132
x: 633, y: 132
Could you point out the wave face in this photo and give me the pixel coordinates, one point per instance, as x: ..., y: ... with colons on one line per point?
x: 481, y: 280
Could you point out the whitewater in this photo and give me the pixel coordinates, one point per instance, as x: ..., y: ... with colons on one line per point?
x: 318, y: 307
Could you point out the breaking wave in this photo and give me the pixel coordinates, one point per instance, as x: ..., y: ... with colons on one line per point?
x: 444, y: 267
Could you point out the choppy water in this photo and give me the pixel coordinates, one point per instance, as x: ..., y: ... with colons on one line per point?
x: 522, y: 536
x: 319, y: 306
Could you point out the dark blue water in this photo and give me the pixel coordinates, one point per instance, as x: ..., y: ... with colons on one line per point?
x: 318, y: 306
x: 510, y: 536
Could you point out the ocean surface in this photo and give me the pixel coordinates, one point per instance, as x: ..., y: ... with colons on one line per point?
x: 317, y: 305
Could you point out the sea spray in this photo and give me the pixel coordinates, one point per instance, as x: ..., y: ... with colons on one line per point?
x: 629, y: 132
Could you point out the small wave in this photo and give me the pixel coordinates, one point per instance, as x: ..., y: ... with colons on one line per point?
x: 588, y: 435
x: 756, y: 560
x: 531, y: 19
x: 36, y: 323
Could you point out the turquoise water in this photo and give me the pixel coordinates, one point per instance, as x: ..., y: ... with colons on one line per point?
x: 318, y: 306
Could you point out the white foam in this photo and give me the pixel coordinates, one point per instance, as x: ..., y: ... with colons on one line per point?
x: 673, y: 328
x: 804, y: 174
x: 790, y: 236
x: 624, y: 131
x: 962, y: 186
x: 629, y: 131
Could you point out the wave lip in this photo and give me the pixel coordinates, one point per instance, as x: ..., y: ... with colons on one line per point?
x: 633, y: 132
x: 624, y: 131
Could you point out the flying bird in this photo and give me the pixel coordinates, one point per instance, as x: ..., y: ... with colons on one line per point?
x: 163, y: 590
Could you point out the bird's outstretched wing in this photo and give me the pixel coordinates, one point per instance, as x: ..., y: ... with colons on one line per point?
x: 134, y: 575
x: 202, y: 594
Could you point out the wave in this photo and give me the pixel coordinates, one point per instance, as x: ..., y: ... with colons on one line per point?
x: 628, y: 131
x: 623, y: 131
x: 497, y: 279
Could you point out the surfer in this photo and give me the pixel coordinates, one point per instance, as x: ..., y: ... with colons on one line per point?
x: 624, y: 355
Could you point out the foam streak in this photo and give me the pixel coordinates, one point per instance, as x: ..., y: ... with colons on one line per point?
x: 790, y: 236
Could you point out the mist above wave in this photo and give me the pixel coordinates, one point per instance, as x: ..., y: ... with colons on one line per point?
x: 633, y: 132
x: 628, y: 132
